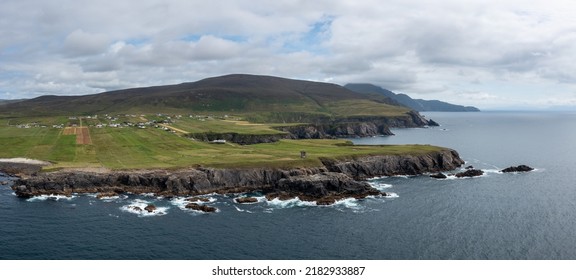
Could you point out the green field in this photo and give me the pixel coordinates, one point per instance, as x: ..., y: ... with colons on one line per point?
x: 215, y: 125
x: 152, y: 147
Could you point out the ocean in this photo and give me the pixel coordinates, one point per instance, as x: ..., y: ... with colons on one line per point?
x: 495, y: 216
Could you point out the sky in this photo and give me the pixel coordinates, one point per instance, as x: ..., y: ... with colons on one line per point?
x: 503, y: 54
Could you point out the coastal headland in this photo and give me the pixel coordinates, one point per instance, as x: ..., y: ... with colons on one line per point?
x: 235, y: 133
x: 335, y: 179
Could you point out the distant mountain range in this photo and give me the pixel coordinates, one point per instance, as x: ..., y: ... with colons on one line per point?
x: 267, y: 97
x: 419, y: 105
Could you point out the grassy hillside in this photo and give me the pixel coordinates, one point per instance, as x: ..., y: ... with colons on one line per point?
x: 233, y: 94
x: 147, y: 127
x: 151, y: 147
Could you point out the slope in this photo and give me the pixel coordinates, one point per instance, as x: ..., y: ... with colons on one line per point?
x: 419, y: 105
x: 236, y: 94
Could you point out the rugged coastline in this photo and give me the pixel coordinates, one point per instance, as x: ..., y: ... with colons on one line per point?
x: 323, y: 128
x: 335, y: 179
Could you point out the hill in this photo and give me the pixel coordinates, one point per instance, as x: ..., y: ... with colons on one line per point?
x: 229, y: 121
x: 238, y: 94
x: 419, y: 105
x: 8, y: 101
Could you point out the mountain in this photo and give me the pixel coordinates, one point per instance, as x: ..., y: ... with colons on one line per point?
x: 419, y: 105
x: 231, y: 94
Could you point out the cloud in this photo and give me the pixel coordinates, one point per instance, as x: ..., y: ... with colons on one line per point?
x: 80, y: 43
x: 436, y: 50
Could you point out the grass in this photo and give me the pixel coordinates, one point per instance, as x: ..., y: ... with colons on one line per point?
x: 201, y: 125
x: 135, y: 148
x: 365, y: 108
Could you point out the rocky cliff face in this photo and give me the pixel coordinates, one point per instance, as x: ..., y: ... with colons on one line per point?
x: 374, y: 166
x: 337, y: 178
x: 324, y: 128
x: 242, y: 139
x: 339, y: 130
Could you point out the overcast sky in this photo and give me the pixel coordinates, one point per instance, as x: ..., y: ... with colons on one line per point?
x: 489, y: 54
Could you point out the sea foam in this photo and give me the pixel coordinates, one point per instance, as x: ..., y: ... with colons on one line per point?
x: 294, y: 202
x: 137, y: 207
x: 379, y: 185
x: 45, y: 197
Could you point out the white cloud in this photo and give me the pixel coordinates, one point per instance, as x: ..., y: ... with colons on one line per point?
x: 435, y: 50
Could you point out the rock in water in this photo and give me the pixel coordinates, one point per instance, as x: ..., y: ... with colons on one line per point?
x: 198, y: 207
x: 470, y: 173
x: 519, y: 168
x: 150, y: 208
x: 439, y: 176
x: 246, y: 200
x: 197, y: 199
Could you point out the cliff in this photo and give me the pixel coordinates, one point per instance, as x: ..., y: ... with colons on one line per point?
x: 419, y: 105
x: 335, y: 179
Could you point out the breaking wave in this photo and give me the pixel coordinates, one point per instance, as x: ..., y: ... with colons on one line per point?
x: 379, y: 185
x: 137, y: 207
x: 45, y: 197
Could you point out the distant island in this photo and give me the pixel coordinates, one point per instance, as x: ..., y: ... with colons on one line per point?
x: 230, y: 133
x: 419, y: 105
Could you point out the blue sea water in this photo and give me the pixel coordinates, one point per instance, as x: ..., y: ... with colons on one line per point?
x: 496, y: 216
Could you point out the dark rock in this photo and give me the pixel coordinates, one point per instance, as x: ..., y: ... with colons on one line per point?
x: 432, y: 123
x: 197, y: 199
x: 246, y: 200
x: 439, y: 175
x: 242, y: 139
x: 470, y: 173
x: 326, y: 201
x: 341, y: 129
x: 18, y: 169
x: 198, y: 207
x: 280, y: 196
x: 469, y: 167
x: 150, y: 208
x: 519, y: 168
x: 136, y: 208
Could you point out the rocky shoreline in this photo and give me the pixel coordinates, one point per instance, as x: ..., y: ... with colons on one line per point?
x: 351, y: 127
x: 335, y: 180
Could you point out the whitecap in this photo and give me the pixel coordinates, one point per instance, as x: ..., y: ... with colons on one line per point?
x: 391, y: 195
x: 181, y: 202
x: 242, y: 210
x: 351, y: 203
x: 379, y: 185
x: 109, y: 198
x: 294, y: 202
x: 402, y: 176
x: 137, y: 207
x: 45, y: 197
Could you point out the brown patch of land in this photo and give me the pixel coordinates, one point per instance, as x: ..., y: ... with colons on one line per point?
x: 69, y: 130
x: 82, y: 134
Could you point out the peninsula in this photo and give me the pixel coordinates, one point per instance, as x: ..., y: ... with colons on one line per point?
x: 230, y: 133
